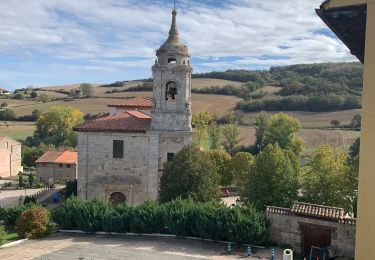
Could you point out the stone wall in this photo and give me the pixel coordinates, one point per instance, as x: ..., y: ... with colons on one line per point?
x: 10, y: 157
x: 286, y: 228
x: 100, y: 175
x: 52, y: 172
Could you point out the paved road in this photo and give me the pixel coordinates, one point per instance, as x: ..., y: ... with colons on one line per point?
x: 11, y: 197
x: 78, y: 246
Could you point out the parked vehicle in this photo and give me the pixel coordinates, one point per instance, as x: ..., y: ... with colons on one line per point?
x: 225, y: 192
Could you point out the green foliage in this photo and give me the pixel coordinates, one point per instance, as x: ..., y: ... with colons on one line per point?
x: 228, y: 90
x: 90, y: 215
x: 31, y: 154
x: 29, y: 200
x: 180, y: 217
x: 200, y: 122
x: 31, y: 179
x: 273, y: 179
x: 354, y: 149
x: 281, y: 130
x: 43, y: 97
x: 20, y: 180
x: 3, y: 235
x: 261, y: 126
x: 55, y: 126
x: 356, y: 122
x: 324, y: 180
x: 335, y: 123
x: 33, y: 94
x: 222, y: 162
x: 11, y: 214
x: 231, y: 137
x: 215, y: 135
x: 86, y: 89
x: 33, y: 223
x: 71, y: 188
x: 7, y: 115
x: 191, y: 174
x: 241, y: 167
x: 4, y: 104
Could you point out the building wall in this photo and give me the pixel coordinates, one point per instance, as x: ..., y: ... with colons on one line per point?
x: 10, y: 157
x: 287, y: 229
x: 46, y: 172
x: 99, y: 174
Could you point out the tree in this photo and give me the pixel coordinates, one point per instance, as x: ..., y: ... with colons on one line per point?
x: 4, y: 104
x: 281, y: 130
x: 191, y: 174
x: 222, y: 161
x: 33, y: 94
x: 215, y: 135
x: 31, y: 179
x: 261, y: 125
x: 356, y: 122
x: 335, y: 123
x: 20, y: 179
x: 230, y: 137
x: 55, y: 126
x: 43, y: 97
x: 200, y: 121
x: 36, y: 114
x: 354, y: 149
x: 274, y: 178
x: 7, y: 114
x: 324, y: 180
x: 86, y: 89
x: 241, y: 167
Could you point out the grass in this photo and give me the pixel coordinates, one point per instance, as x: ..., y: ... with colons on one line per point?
x: 11, y: 235
x: 17, y: 130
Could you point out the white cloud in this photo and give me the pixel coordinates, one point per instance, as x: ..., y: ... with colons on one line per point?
x: 95, y: 32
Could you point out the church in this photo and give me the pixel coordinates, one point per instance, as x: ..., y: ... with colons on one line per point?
x: 121, y: 154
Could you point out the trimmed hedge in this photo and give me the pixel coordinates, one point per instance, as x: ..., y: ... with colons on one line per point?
x: 180, y: 217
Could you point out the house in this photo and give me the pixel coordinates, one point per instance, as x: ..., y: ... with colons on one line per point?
x: 4, y: 91
x: 10, y: 157
x: 305, y: 225
x: 121, y: 155
x: 56, y: 167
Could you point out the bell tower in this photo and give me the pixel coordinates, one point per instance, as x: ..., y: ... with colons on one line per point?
x: 171, y: 114
x: 172, y: 84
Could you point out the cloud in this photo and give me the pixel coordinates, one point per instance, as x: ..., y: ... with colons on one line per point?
x: 117, y: 38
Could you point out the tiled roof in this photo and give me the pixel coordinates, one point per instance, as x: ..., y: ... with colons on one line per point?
x: 64, y: 157
x: 123, y: 122
x: 132, y: 103
x: 319, y: 211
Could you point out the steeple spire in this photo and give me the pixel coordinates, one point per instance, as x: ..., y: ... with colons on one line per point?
x: 173, y: 30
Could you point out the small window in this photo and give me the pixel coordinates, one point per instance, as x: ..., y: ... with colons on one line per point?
x: 68, y: 166
x: 172, y: 61
x: 118, y: 149
x: 60, y: 165
x: 170, y: 157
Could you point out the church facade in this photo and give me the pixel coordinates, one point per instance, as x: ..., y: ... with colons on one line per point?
x: 121, y: 155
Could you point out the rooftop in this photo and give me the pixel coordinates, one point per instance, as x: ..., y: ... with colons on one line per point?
x: 123, y: 122
x: 137, y: 103
x: 63, y: 157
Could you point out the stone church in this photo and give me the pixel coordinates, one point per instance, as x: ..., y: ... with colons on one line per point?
x: 121, y: 155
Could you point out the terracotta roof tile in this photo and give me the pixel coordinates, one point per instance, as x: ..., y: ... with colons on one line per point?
x: 65, y: 157
x: 132, y: 103
x: 123, y: 122
x: 319, y: 211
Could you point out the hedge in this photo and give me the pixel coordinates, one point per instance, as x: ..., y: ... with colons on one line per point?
x: 10, y: 215
x: 180, y: 217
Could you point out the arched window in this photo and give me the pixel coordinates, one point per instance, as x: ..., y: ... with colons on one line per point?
x: 117, y: 198
x: 172, y: 61
x: 171, y: 90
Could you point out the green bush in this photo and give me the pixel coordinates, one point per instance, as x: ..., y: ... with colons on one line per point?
x: 3, y: 235
x: 33, y: 223
x: 10, y: 215
x: 179, y: 217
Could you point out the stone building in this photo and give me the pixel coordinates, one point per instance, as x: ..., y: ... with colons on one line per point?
x: 121, y: 155
x: 55, y: 166
x: 10, y: 157
x: 306, y: 225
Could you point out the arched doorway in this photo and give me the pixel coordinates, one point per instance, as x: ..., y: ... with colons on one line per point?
x: 117, y: 198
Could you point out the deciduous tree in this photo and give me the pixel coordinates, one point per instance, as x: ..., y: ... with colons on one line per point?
x: 222, y: 161
x: 241, y: 167
x: 231, y: 137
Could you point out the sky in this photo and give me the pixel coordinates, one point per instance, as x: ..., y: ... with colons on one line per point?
x: 57, y: 42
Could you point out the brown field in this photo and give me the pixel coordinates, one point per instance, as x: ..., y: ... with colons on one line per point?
x: 17, y: 130
x: 313, y: 137
x: 314, y: 119
x: 52, y: 94
x: 215, y: 104
x: 268, y: 89
x: 203, y: 83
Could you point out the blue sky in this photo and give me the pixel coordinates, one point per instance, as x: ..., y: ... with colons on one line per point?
x: 57, y: 42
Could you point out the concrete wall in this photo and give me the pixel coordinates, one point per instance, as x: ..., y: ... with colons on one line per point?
x: 99, y: 174
x: 46, y: 172
x: 10, y: 157
x: 288, y: 229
